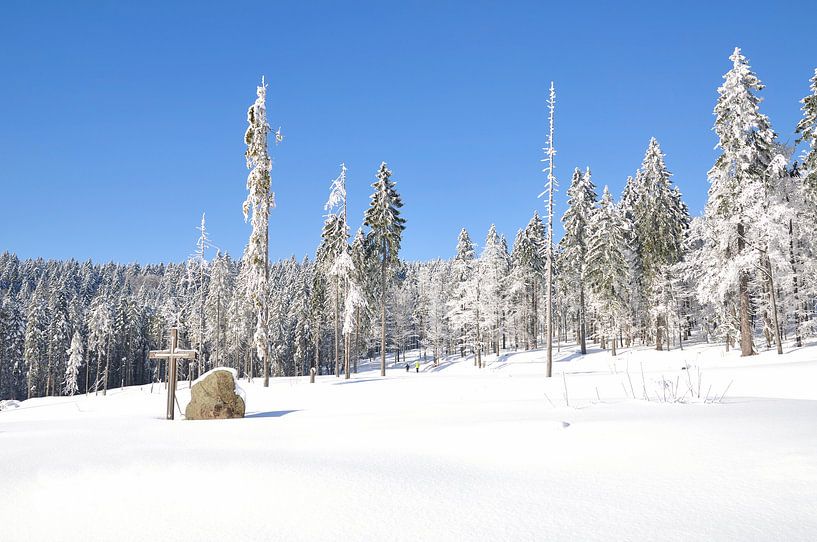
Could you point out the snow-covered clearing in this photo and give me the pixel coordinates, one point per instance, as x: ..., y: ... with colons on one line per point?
x: 451, y: 453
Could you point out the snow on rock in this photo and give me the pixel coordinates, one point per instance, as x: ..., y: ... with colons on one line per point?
x: 238, y: 390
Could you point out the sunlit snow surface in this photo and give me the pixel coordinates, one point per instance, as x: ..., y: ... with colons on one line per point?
x: 451, y: 453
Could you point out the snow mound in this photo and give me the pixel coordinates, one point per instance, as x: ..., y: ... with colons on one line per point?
x: 9, y: 404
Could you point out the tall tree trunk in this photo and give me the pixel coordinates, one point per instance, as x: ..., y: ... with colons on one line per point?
x: 582, y: 338
x: 746, y: 346
x: 798, y: 341
x: 337, y: 335
x: 612, y: 340
x: 266, y: 301
x: 218, y: 329
x: 773, y: 299
x: 346, y: 354
x: 317, y: 370
x: 383, y: 317
x: 478, y: 344
x: 357, y: 338
x: 535, y: 318
x: 659, y: 326
x: 105, y: 374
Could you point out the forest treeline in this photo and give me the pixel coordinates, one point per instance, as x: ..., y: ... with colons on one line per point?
x: 636, y: 270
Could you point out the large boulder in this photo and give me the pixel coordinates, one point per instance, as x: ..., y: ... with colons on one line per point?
x: 215, y: 396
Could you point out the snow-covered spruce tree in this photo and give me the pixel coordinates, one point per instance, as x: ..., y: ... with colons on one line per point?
x: 317, y: 310
x: 461, y: 309
x: 745, y: 138
x: 216, y: 306
x: 771, y: 211
x: 100, y: 330
x: 12, y: 331
x: 660, y: 220
x: 364, y: 271
x: 198, y: 274
x: 259, y: 200
x: 606, y: 267
x: 341, y: 272
x: 58, y: 333
x: 434, y: 294
x: 802, y: 195
x: 495, y: 265
x: 534, y: 257
x: 70, y: 384
x: 576, y: 220
x: 518, y: 290
x: 239, y: 325
x: 403, y: 309
x: 385, y: 233
x: 635, y: 288
x: 303, y: 326
x: 354, y: 303
x: 36, y: 342
x: 334, y: 254
x: 807, y: 132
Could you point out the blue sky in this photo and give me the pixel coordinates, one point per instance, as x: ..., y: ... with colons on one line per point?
x: 123, y: 122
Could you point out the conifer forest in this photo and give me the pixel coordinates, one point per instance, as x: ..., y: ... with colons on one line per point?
x: 635, y: 268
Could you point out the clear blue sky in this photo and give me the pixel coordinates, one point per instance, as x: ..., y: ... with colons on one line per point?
x: 121, y: 122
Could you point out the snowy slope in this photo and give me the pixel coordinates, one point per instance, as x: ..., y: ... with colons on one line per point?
x: 451, y: 453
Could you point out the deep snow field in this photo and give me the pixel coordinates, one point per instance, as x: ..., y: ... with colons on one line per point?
x: 451, y: 453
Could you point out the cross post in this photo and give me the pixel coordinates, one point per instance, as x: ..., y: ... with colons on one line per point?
x: 172, y: 355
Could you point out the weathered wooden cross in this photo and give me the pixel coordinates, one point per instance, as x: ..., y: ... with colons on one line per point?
x: 172, y: 355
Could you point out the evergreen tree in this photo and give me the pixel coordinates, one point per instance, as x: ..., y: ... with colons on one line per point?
x: 260, y: 200
x: 12, y: 341
x: 386, y: 231
x: 495, y: 264
x: 606, y: 266
x: 58, y: 336
x: 576, y: 220
x: 334, y: 252
x: 745, y: 138
x: 303, y: 326
x: 462, y: 309
x: 100, y: 331
x: 660, y: 220
x: 36, y: 340
x: 70, y: 384
x: 807, y: 132
x: 217, y: 306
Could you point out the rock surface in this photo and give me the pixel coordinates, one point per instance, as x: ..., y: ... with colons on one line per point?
x: 214, y: 397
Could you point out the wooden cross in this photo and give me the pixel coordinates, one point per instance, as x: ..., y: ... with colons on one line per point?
x: 172, y: 355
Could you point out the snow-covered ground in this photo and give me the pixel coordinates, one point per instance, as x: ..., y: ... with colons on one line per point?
x: 451, y: 453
